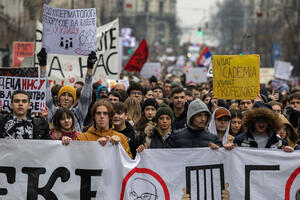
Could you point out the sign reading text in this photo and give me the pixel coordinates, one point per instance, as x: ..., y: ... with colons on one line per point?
x: 21, y: 51
x: 69, y: 31
x: 236, y: 76
x: 36, y: 87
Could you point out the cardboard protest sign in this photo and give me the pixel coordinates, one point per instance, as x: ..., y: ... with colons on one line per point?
x: 69, y: 31
x: 266, y: 75
x: 67, y: 69
x: 236, y: 76
x: 151, y: 69
x: 21, y: 51
x: 283, y: 70
x: 20, y: 72
x: 196, y: 75
x: 36, y: 87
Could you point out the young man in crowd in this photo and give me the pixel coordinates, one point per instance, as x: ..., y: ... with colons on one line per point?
x: 245, y: 105
x: 294, y: 101
x: 67, y: 94
x: 121, y: 125
x: 19, y: 124
x: 136, y: 90
x: 167, y: 85
x: 179, y: 107
x: 102, y: 130
x: 157, y: 92
x: 114, y: 97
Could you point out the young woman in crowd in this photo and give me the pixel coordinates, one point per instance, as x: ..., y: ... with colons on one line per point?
x: 236, y: 122
x: 134, y: 110
x: 288, y: 133
x: 64, y: 128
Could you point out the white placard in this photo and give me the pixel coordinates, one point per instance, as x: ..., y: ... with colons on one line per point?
x: 197, y: 75
x: 69, y: 31
x: 151, y: 69
x: 67, y: 69
x: 266, y: 75
x: 36, y: 87
x: 283, y: 70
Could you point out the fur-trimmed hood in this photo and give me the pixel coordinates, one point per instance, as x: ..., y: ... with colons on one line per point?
x: 266, y: 114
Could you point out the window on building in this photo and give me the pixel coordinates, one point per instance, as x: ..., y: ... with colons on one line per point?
x: 161, y: 7
x: 146, y: 5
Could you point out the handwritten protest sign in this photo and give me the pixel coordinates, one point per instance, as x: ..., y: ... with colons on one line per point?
x: 21, y: 51
x: 69, y: 31
x: 20, y: 72
x: 236, y: 76
x: 36, y: 87
x: 67, y: 69
x: 151, y: 69
x: 196, y: 75
x: 283, y: 70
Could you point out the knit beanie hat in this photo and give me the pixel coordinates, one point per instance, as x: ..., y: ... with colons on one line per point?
x: 164, y: 109
x: 99, y: 89
x: 68, y: 88
x: 150, y: 102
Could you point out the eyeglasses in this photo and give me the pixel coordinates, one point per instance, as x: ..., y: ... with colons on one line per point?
x: 136, y: 93
x: 20, y: 100
x: 101, y: 113
x: 145, y: 196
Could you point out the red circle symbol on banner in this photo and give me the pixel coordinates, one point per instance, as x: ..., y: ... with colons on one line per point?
x: 144, y: 171
x: 290, y: 182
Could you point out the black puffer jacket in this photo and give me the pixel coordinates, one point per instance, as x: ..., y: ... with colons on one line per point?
x: 154, y: 140
x: 179, y: 122
x: 40, y: 126
x: 190, y: 136
x: 130, y: 134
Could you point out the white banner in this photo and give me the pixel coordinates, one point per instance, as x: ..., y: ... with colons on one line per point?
x: 283, y: 70
x: 36, y: 87
x: 67, y: 69
x: 39, y: 170
x: 151, y: 69
x: 69, y: 31
x: 197, y: 75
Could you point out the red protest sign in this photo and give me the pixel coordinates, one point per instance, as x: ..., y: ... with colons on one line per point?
x: 21, y: 51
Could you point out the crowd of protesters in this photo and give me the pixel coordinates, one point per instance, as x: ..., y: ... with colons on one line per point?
x: 156, y: 114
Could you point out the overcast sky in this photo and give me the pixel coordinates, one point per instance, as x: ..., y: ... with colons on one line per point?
x: 191, y: 15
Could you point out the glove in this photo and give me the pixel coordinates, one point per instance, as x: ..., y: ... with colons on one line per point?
x: 91, y: 60
x: 42, y: 57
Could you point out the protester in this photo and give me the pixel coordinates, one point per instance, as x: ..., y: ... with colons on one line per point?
x: 102, y: 130
x: 194, y: 134
x: 64, y: 126
x: 121, y: 125
x: 148, y: 93
x: 78, y: 84
x: 136, y: 90
x: 119, y: 87
x: 179, y: 107
x: 261, y: 124
x: 276, y: 107
x: 236, y: 122
x: 20, y: 123
x: 102, y: 92
x: 294, y: 101
x: 245, y: 105
x: 134, y: 110
x: 220, y: 124
x: 157, y: 92
x: 67, y: 94
x: 288, y: 133
x: 114, y: 97
x: 167, y: 88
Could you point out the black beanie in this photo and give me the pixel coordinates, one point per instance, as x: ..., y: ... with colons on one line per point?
x: 164, y: 109
x: 150, y: 102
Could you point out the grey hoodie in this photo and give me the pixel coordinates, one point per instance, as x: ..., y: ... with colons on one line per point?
x: 196, y: 106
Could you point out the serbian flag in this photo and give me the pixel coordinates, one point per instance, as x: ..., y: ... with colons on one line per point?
x: 205, y: 58
x: 138, y: 59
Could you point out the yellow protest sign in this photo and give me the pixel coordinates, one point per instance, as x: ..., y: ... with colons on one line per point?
x: 236, y: 76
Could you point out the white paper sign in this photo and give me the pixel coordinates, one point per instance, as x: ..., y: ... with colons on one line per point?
x: 283, y: 70
x: 69, y: 31
x: 151, y: 69
x: 197, y: 75
x: 266, y: 75
x: 33, y: 170
x: 67, y: 69
x: 36, y: 87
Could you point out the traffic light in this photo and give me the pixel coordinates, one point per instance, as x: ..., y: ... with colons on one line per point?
x: 200, y: 33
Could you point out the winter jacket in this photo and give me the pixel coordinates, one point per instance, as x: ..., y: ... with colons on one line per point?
x: 179, y: 122
x: 81, y: 110
x: 155, y: 140
x: 190, y: 136
x: 274, y: 123
x: 40, y: 126
x: 130, y: 134
x: 93, y: 135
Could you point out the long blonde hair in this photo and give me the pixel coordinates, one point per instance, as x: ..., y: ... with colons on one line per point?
x: 134, y: 109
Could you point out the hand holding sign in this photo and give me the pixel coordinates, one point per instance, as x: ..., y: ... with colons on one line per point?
x: 42, y: 57
x: 91, y: 60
